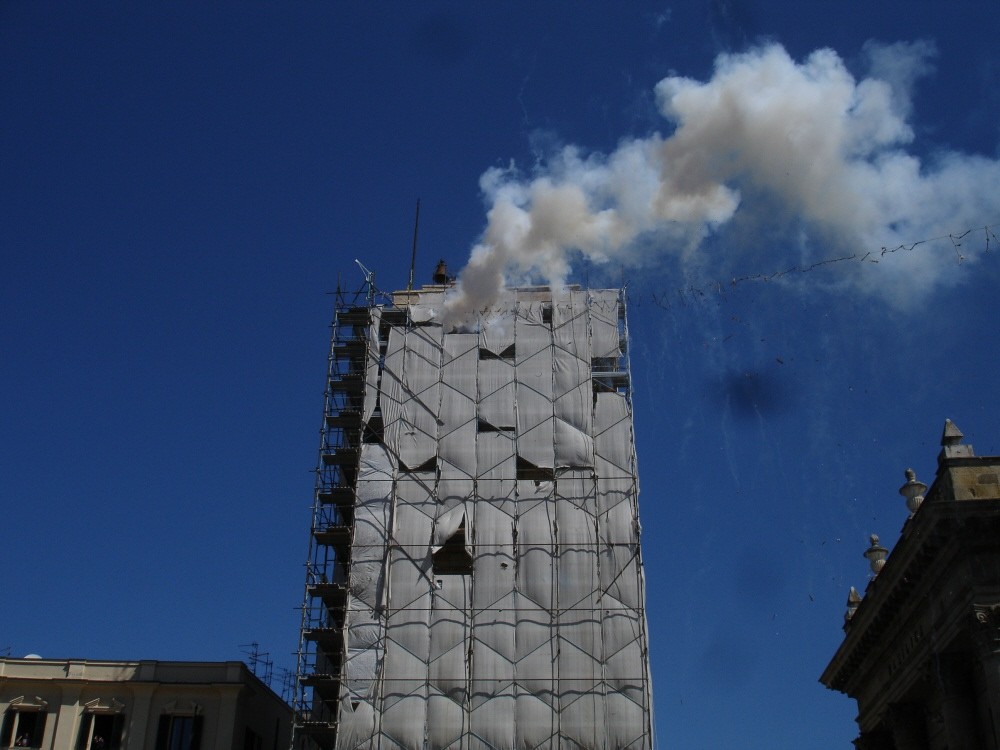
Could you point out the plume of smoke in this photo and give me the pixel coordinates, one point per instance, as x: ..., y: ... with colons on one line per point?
x: 765, y: 135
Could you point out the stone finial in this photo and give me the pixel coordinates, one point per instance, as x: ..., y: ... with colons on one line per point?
x: 876, y: 555
x: 853, y: 601
x: 951, y: 443
x: 913, y: 491
x: 951, y: 435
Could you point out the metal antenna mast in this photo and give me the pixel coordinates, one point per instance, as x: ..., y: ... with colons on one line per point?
x: 413, y: 257
x: 369, y: 282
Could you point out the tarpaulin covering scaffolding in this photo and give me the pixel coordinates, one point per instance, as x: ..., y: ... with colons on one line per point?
x: 494, y: 592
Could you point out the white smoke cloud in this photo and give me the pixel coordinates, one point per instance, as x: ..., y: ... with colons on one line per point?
x: 766, y: 135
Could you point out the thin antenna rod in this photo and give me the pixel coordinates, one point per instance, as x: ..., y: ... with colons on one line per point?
x: 413, y: 258
x: 369, y: 282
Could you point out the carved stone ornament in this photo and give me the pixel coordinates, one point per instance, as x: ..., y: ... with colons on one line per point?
x: 23, y: 701
x: 987, y: 615
x: 986, y: 630
x: 180, y: 709
x: 913, y: 491
x: 853, y: 602
x: 876, y: 554
x: 112, y: 706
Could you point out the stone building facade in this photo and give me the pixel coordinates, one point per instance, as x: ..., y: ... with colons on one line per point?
x: 75, y: 704
x: 921, y: 654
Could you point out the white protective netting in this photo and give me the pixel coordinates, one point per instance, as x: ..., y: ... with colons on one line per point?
x: 500, y: 451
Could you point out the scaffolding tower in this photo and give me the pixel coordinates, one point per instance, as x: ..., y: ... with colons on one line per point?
x: 474, y: 577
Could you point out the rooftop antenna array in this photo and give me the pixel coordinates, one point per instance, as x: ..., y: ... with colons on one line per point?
x: 288, y: 678
x: 259, y: 661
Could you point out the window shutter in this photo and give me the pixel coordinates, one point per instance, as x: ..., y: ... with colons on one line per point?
x: 8, y: 728
x: 196, y: 733
x: 163, y: 732
x: 115, y: 742
x: 81, y: 739
x: 39, y: 734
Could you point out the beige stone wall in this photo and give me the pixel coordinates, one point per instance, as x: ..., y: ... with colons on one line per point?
x: 225, y: 694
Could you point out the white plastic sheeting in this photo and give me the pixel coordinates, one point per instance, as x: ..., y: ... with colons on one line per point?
x: 448, y: 670
x: 391, y: 396
x: 496, y: 330
x: 407, y: 646
x: 496, y: 393
x: 536, y: 715
x: 542, y: 642
x: 574, y: 448
x: 533, y: 386
x: 572, y: 388
x: 372, y: 365
x: 604, y: 323
x: 457, y: 429
x: 367, y: 580
x: 417, y: 388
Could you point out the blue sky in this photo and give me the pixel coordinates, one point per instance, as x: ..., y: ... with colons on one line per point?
x: 184, y: 185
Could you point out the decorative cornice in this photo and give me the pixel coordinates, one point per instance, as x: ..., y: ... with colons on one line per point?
x: 113, y: 706
x: 986, y: 628
x: 901, y: 656
x: 987, y: 615
x: 23, y: 703
x: 939, y: 537
x: 192, y: 709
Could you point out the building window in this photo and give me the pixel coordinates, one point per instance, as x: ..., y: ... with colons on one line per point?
x: 483, y: 426
x: 252, y: 740
x: 22, y: 728
x: 528, y: 470
x: 100, y: 731
x: 374, y: 430
x: 429, y: 465
x: 507, y: 353
x: 453, y: 557
x: 179, y: 733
